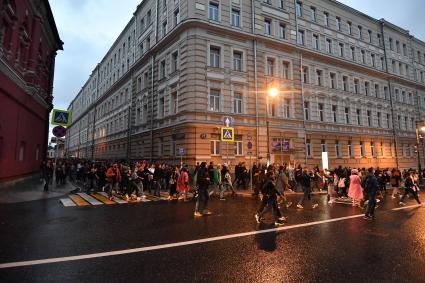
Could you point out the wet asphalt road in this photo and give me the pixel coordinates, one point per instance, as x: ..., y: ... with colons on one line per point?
x: 390, y: 249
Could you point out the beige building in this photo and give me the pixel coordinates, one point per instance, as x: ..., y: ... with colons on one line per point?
x: 349, y: 85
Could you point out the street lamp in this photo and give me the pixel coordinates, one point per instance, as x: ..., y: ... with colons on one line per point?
x: 272, y: 92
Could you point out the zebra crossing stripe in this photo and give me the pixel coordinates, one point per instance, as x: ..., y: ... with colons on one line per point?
x: 90, y: 199
x: 78, y: 200
x: 116, y: 199
x: 67, y: 202
x: 102, y: 198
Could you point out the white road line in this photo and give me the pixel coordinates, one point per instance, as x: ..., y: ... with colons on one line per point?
x: 114, y: 198
x: 67, y: 202
x: 90, y: 199
x: 179, y: 244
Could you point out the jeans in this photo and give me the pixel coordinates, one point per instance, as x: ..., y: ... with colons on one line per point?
x: 108, y: 188
x: 202, y: 197
x: 414, y: 193
x: 157, y: 188
x: 306, y: 195
x: 370, y: 210
x: 272, y: 202
x: 218, y: 186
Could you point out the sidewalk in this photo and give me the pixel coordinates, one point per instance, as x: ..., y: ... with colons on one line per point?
x: 30, y: 190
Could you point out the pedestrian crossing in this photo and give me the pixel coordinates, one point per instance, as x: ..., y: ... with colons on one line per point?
x: 101, y: 198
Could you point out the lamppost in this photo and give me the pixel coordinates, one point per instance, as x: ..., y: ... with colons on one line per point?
x: 272, y: 92
x: 419, y: 127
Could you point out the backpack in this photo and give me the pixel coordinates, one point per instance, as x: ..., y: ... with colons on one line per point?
x: 365, y: 184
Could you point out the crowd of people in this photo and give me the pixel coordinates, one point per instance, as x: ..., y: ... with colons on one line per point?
x: 362, y: 187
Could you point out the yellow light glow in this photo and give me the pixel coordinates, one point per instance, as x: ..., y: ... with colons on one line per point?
x: 273, y: 92
x: 423, y: 128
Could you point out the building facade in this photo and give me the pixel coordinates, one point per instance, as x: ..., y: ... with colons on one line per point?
x: 349, y: 85
x: 28, y: 44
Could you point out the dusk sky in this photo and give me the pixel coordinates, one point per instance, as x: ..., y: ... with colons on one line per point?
x: 89, y: 27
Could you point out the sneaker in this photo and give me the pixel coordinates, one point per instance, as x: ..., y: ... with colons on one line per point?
x: 257, y: 218
x: 300, y: 206
x: 288, y: 204
x: 367, y: 217
x: 393, y: 197
x: 401, y: 203
x: 197, y: 214
x: 282, y: 219
x: 138, y: 198
x: 279, y: 223
x: 222, y: 199
x: 315, y: 205
x: 206, y: 212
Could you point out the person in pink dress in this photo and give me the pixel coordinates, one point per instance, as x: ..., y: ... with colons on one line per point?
x: 183, y: 183
x: 355, y: 191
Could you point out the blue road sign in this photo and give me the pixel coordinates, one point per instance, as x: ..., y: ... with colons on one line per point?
x: 228, y: 121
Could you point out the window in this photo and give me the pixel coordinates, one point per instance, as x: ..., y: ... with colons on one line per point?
x: 215, y: 147
x: 281, y: 4
x: 237, y: 102
x: 174, y: 61
x: 267, y: 26
x: 356, y: 86
x: 334, y: 113
x: 372, y: 149
x: 162, y: 69
x: 397, y: 46
x: 22, y: 151
x: 270, y: 67
x: 300, y: 37
x: 377, y: 94
x: 332, y: 77
x: 386, y: 92
x: 353, y: 53
x: 299, y: 9
x: 350, y: 28
x: 378, y: 36
x: 360, y: 32
x: 326, y: 18
x: 323, y: 146
x: 372, y: 59
x: 215, y: 57
x: 282, y: 31
x: 382, y: 63
x: 213, y: 11
x: 337, y: 149
x: 237, y: 61
x: 404, y: 49
x: 347, y: 115
x: 238, y: 148
x: 359, y: 116
x: 313, y: 13
x: 320, y: 108
x: 161, y: 107
x: 176, y: 17
x: 315, y: 42
x: 214, y: 100
x: 328, y: 45
x: 338, y: 23
x: 390, y: 40
x: 341, y: 50
x: 305, y: 74
x: 308, y: 147
x: 369, y: 118
x: 285, y: 70
x: 367, y: 88
x: 345, y: 83
x: 319, y: 77
x: 363, y: 53
x: 236, y: 18
x: 350, y: 149
x: 174, y: 103
x: 379, y: 119
x: 370, y: 35
x: 362, y: 149
x: 286, y: 108
x: 306, y: 110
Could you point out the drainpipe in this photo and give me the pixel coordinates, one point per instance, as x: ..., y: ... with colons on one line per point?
x: 390, y: 92
x: 254, y: 42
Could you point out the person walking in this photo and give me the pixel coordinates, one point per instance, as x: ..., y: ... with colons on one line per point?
x: 270, y: 193
x: 355, y: 190
x: 217, y: 182
x: 305, y: 181
x: 172, y: 183
x: 183, y: 183
x: 371, y: 188
x: 410, y: 187
x: 203, y: 183
x: 47, y: 174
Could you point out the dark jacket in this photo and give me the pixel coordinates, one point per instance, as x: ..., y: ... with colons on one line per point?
x: 305, y: 180
x: 203, y: 178
x: 371, y: 185
x: 269, y: 189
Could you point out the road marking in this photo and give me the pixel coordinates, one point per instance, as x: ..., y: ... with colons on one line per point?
x: 78, y: 200
x: 116, y: 199
x: 102, y: 198
x: 179, y: 244
x: 90, y: 199
x: 67, y: 202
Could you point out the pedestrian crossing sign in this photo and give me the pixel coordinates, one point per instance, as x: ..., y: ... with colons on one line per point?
x: 61, y: 117
x: 227, y: 134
